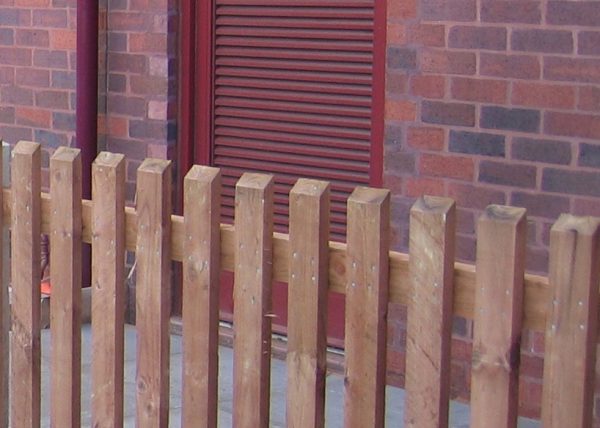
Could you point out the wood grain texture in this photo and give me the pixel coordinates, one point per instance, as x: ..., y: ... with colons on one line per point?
x: 307, y: 304
x: 65, y: 271
x: 252, y: 300
x: 25, y: 268
x: 429, y: 321
x: 366, y: 307
x: 501, y: 247
x: 537, y: 290
x: 108, y: 289
x: 200, y: 311
x: 570, y: 347
x: 153, y: 293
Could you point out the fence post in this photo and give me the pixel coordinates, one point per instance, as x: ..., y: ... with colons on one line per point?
x: 307, y: 304
x: 25, y: 270
x: 429, y: 322
x: 65, y: 270
x: 500, y: 270
x: 108, y: 289
x: 366, y: 307
x: 153, y: 292
x: 200, y: 310
x: 572, y: 323
x: 252, y: 300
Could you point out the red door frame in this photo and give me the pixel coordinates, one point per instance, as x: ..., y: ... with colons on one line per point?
x: 196, y: 99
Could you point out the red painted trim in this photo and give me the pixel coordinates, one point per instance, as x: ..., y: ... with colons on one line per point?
x: 204, y: 78
x: 378, y: 96
x: 186, y: 89
x: 86, y: 115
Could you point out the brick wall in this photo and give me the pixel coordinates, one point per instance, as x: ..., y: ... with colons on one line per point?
x: 37, y: 80
x: 492, y: 101
x: 136, y: 85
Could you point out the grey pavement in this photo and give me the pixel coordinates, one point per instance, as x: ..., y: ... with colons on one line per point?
x: 459, y: 412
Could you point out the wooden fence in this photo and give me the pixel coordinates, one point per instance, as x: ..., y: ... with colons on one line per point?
x: 496, y: 294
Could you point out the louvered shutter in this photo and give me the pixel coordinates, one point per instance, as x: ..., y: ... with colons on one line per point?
x: 292, y: 96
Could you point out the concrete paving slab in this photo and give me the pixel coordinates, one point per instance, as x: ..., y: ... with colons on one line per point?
x: 459, y: 412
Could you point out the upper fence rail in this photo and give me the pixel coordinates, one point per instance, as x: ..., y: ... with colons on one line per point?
x: 537, y: 291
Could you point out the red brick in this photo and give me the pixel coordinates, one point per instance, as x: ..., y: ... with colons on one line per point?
x: 507, y: 174
x: 545, y: 41
x: 148, y: 5
x: 117, y: 126
x: 448, y: 113
x: 393, y: 183
x: 459, y: 380
x: 419, y: 186
x: 401, y: 10
x: 516, y: 11
x: 573, y: 13
x: 148, y: 85
x: 158, y: 110
x: 13, y: 134
x: 147, y: 42
x: 16, y: 95
x: 396, y: 34
x: 572, y: 69
x: 50, y: 59
x: 471, y: 37
x: 588, y: 43
x: 15, y: 56
x: 34, y: 38
x: 7, y: 36
x: 585, y: 207
x: 395, y: 82
x: 428, y: 86
x: 458, y: 167
x: 401, y: 58
x: 7, y: 115
x: 400, y: 110
x: 448, y: 62
x: 63, y: 39
x: 129, y: 106
x: 448, y: 10
x: 462, y: 349
x: 130, y: 21
x: 399, y: 161
x: 7, y: 75
x: 465, y: 221
x: 55, y: 18
x: 543, y: 95
x: 475, y: 196
x: 515, y: 66
x: 127, y: 63
x: 572, y: 124
x: 465, y: 248
x: 35, y: 117
x: 541, y: 204
x: 431, y: 35
x: 133, y: 149
x: 15, y: 17
x: 426, y: 138
x: 32, y: 3
x: 481, y: 90
x: 33, y: 77
x: 530, y: 396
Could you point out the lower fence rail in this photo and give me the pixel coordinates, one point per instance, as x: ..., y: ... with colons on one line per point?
x: 495, y: 292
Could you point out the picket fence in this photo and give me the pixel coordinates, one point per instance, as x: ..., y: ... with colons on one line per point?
x: 496, y: 293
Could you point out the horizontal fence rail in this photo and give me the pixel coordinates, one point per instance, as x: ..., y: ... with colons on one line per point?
x: 495, y: 292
